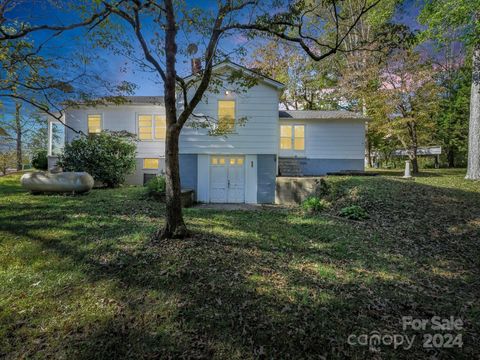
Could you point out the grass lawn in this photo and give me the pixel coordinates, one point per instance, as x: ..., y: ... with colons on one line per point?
x: 80, y: 278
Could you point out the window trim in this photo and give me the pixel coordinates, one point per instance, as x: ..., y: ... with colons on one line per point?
x: 149, y: 168
x: 234, y: 129
x: 101, y: 122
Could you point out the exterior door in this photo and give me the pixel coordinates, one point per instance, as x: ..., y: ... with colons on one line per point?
x: 227, y: 179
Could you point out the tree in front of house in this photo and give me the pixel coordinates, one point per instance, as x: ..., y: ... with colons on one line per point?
x: 459, y: 20
x: 406, y: 101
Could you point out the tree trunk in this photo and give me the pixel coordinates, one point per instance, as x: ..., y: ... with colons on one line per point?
x: 414, y: 164
x: 473, y: 168
x: 414, y: 148
x: 368, y: 145
x: 174, y: 224
x: 18, y: 131
x: 451, y: 157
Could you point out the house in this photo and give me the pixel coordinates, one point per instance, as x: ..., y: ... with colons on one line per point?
x: 242, y: 166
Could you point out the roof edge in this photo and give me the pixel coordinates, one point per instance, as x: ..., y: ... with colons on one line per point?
x: 225, y: 63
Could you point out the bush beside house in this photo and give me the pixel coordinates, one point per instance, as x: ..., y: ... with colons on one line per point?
x: 156, y: 187
x: 40, y: 160
x: 109, y: 156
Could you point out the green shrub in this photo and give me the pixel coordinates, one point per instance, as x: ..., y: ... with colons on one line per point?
x: 40, y: 160
x: 156, y: 186
x: 109, y: 156
x: 354, y: 212
x: 314, y: 204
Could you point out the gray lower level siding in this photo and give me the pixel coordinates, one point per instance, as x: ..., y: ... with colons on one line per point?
x: 315, y: 167
x: 266, y: 174
x: 137, y: 177
x: 188, y: 171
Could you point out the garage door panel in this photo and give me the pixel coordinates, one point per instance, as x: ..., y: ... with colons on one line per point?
x: 236, y: 184
x: 218, y: 184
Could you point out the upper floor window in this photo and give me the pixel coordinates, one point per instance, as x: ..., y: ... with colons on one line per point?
x: 151, y: 126
x: 226, y: 115
x: 145, y: 127
x: 292, y: 137
x: 94, y: 123
x: 160, y: 127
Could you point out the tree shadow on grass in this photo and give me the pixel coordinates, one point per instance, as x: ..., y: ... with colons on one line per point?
x: 264, y: 284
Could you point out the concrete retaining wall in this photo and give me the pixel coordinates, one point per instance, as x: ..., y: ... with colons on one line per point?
x: 293, y: 190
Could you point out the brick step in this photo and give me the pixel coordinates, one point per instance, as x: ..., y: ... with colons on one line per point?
x: 289, y: 167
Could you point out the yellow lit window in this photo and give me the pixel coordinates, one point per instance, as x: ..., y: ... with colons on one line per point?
x: 240, y: 161
x: 150, y: 163
x: 292, y: 136
x: 94, y: 124
x: 160, y: 127
x: 214, y: 161
x: 226, y: 115
x: 232, y: 161
x: 145, y: 127
x: 299, y: 139
x: 222, y: 161
x: 285, y: 137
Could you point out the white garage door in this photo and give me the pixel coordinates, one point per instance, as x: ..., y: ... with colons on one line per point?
x: 227, y: 179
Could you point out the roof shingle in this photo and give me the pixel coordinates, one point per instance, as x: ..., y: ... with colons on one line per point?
x: 319, y: 114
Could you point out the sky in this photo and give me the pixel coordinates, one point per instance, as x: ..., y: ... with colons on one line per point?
x: 116, y: 68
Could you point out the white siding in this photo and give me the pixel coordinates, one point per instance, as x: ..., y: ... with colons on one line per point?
x: 117, y: 118
x: 259, y: 135
x: 333, y: 139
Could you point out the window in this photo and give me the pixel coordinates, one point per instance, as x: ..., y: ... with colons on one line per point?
x: 94, y: 124
x: 292, y: 137
x: 150, y: 126
x: 285, y: 137
x: 226, y: 115
x: 160, y: 127
x: 215, y: 160
x: 299, y: 137
x: 220, y: 160
x: 145, y: 127
x: 150, y: 163
x: 56, y: 138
